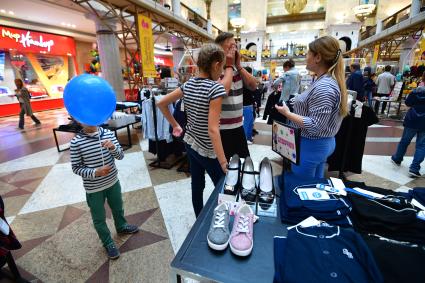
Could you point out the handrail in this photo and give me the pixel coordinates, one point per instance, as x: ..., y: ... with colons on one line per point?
x: 398, y: 12
x: 200, y: 20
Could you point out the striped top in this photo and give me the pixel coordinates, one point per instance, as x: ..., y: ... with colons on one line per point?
x: 319, y: 105
x: 86, y: 156
x: 197, y: 94
x: 232, y: 106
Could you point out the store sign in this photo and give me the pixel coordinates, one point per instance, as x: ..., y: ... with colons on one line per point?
x: 146, y: 46
x: 163, y: 61
x: 375, y: 54
x: 36, y: 42
x: 273, y: 65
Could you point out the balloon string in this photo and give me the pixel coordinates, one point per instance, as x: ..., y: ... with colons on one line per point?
x: 101, y: 148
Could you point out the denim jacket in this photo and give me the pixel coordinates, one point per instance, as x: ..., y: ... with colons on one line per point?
x: 291, y: 84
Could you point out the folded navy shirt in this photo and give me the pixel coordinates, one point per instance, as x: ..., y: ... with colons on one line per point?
x: 293, y: 209
x: 323, y: 254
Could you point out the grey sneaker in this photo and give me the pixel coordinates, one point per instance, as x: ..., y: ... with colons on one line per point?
x: 218, y: 235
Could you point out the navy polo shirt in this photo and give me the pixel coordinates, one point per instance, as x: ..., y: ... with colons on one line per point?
x: 323, y: 254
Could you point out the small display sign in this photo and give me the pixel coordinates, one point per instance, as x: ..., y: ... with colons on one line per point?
x: 286, y: 141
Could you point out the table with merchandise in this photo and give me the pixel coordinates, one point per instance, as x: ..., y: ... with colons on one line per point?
x: 321, y: 231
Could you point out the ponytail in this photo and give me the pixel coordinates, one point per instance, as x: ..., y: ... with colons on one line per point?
x: 337, y: 72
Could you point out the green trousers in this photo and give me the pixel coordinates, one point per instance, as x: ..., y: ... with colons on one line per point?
x: 96, y: 202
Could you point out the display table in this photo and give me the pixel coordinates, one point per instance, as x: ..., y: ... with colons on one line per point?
x: 126, y: 105
x: 112, y: 125
x: 389, y: 101
x: 197, y: 261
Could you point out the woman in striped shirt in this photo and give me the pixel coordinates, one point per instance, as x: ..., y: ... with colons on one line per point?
x: 202, y: 97
x: 319, y: 110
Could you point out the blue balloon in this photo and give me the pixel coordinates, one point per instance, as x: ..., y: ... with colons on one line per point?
x: 89, y: 99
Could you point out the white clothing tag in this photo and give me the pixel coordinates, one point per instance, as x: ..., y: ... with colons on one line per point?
x: 359, y: 109
x: 421, y: 215
x: 4, y: 227
x: 308, y: 222
x: 339, y: 185
x: 182, y: 106
x: 312, y: 194
x: 372, y: 194
x: 417, y: 204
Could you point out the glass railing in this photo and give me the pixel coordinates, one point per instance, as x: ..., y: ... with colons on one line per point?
x: 389, y: 22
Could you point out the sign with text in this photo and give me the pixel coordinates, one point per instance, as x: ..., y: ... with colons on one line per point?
x: 397, y: 89
x: 286, y: 141
x: 36, y: 42
x: 273, y: 65
x: 375, y: 54
x: 146, y: 46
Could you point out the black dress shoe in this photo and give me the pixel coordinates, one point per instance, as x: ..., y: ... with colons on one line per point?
x: 232, y: 183
x: 266, y: 185
x: 248, y: 186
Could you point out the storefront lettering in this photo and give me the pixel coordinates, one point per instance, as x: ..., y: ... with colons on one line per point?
x: 159, y: 61
x: 26, y: 39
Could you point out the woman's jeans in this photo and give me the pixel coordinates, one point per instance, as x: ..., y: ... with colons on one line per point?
x: 248, y: 121
x: 406, y: 138
x: 369, y: 97
x: 313, y: 156
x: 198, y: 165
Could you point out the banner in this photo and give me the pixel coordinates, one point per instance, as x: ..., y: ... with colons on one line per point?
x: 146, y: 46
x: 273, y: 65
x: 375, y: 55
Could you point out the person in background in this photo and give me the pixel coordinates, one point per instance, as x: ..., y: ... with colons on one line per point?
x: 248, y: 110
x: 414, y: 125
x: 202, y: 98
x: 369, y: 85
x: 385, y: 83
x: 319, y: 110
x: 23, y: 96
x: 235, y: 77
x: 422, y: 82
x: 93, y: 152
x: 290, y: 81
x: 355, y: 81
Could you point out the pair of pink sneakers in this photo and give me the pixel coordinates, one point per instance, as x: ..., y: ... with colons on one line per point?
x: 242, y: 236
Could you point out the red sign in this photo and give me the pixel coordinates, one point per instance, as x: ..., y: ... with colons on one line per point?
x: 163, y: 61
x: 36, y: 42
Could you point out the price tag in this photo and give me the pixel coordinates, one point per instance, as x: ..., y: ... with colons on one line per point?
x: 312, y: 194
x: 4, y: 227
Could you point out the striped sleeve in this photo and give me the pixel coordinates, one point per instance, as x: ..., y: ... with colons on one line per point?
x: 117, y: 153
x: 77, y: 164
x: 321, y: 106
x: 217, y: 91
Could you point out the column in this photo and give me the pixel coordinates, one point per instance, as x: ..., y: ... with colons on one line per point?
x: 406, y: 53
x: 209, y: 26
x: 378, y: 26
x: 415, y: 8
x: 178, y: 52
x: 176, y: 7
x: 109, y: 55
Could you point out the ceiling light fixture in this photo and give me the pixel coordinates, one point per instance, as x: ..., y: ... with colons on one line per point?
x: 3, y: 11
x: 11, y: 13
x: 363, y: 11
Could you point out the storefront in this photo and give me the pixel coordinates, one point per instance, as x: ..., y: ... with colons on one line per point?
x: 45, y: 62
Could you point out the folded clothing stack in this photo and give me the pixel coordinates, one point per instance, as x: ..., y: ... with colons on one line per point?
x: 293, y: 209
x: 323, y: 254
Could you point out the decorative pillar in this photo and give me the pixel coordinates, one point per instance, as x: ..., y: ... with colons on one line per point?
x: 178, y: 52
x: 176, y: 7
x: 406, y: 53
x: 415, y: 8
x: 378, y: 26
x: 209, y: 26
x: 109, y: 55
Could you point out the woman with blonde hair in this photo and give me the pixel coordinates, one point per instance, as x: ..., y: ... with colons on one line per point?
x: 319, y: 110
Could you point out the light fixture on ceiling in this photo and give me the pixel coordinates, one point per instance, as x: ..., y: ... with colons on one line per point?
x: 3, y: 11
x: 237, y: 23
x: 364, y: 10
x: 11, y: 13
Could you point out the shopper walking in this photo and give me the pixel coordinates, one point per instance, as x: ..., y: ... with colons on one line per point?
x: 369, y: 85
x: 23, y: 96
x: 319, y: 110
x: 355, y: 81
x: 385, y: 83
x: 231, y: 128
x: 290, y: 81
x: 93, y: 151
x: 414, y: 125
x: 202, y: 98
x: 248, y: 111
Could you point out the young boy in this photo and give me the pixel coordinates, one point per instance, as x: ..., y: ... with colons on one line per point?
x: 92, y: 156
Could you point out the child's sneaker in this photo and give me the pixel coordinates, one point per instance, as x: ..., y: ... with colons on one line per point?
x: 112, y: 251
x: 241, y: 239
x: 129, y: 229
x: 218, y: 235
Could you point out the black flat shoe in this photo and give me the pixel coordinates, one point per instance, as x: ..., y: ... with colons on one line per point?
x: 248, y: 187
x: 266, y: 183
x: 232, y: 183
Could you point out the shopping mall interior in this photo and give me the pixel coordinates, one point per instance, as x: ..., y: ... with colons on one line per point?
x: 66, y: 65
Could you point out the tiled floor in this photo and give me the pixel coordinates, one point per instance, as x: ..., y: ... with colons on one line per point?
x: 45, y: 202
